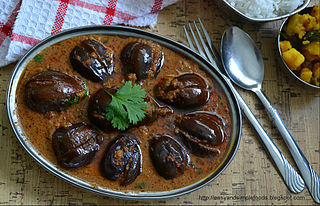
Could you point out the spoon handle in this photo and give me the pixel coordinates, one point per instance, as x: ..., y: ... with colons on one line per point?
x: 309, y: 175
x: 290, y: 176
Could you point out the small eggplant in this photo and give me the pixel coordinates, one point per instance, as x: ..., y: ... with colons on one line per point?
x: 201, y: 132
x: 154, y: 110
x: 97, y: 108
x: 184, y: 92
x: 168, y: 156
x: 53, y: 91
x: 123, y: 159
x: 75, y: 146
x: 92, y: 60
x: 142, y: 60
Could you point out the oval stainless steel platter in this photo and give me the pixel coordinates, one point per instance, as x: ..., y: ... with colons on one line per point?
x: 132, y: 32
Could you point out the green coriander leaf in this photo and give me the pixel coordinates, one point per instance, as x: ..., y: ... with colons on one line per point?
x: 106, y: 41
x: 37, y: 58
x: 116, y: 113
x: 198, y: 171
x: 127, y: 106
x: 198, y: 160
x: 133, y: 101
x: 85, y: 87
x: 75, y: 100
x: 64, y: 101
x: 68, y: 100
x: 141, y: 185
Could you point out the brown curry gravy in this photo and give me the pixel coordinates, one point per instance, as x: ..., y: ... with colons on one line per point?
x: 39, y: 127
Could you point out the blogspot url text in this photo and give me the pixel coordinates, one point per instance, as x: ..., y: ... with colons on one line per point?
x: 250, y: 197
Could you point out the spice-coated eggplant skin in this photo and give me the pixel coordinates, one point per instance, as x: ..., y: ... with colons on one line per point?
x: 92, y: 60
x: 169, y: 157
x: 138, y: 58
x: 53, y: 91
x: 75, y: 146
x: 201, y: 132
x: 154, y: 111
x: 97, y: 108
x: 123, y: 159
x: 186, y: 91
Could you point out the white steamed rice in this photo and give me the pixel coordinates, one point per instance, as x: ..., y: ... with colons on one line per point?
x: 265, y: 8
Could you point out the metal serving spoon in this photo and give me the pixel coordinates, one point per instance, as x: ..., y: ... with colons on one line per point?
x: 290, y: 176
x: 244, y: 65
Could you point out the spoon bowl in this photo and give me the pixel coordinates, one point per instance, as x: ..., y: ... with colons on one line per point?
x: 246, y: 69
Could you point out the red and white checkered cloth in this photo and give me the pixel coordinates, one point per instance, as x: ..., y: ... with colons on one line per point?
x: 23, y: 23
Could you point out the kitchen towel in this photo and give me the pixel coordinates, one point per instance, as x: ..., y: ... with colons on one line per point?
x: 23, y: 23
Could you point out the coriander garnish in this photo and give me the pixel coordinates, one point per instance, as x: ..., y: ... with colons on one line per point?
x: 140, y: 185
x: 85, y: 87
x: 127, y: 106
x: 75, y: 100
x: 198, y: 160
x: 199, y: 171
x: 37, y: 58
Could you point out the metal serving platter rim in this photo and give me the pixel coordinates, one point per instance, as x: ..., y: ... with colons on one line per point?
x: 132, y: 32
x: 253, y: 19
